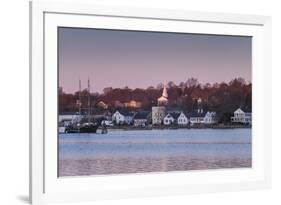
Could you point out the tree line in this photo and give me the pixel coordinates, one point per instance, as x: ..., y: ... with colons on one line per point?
x: 224, y: 98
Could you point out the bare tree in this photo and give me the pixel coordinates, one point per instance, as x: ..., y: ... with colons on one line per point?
x: 192, y: 82
x: 207, y: 85
x: 150, y: 88
x: 171, y: 84
x: 238, y: 81
x: 107, y: 90
x: 160, y: 86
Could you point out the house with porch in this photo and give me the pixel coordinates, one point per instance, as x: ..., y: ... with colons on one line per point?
x: 141, y: 119
x: 241, y: 117
x: 210, y: 118
x: 197, y: 118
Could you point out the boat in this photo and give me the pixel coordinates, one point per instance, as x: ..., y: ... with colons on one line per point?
x: 85, y: 123
x: 82, y: 128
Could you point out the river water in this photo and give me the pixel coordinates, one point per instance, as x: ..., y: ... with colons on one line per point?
x: 139, y: 151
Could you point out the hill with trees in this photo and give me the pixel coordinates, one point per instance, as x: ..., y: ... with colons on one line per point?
x: 223, y: 97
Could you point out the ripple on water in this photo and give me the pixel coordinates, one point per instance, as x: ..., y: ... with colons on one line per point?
x: 153, y: 151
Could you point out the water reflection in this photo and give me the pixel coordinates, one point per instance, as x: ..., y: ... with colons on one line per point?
x: 153, y: 151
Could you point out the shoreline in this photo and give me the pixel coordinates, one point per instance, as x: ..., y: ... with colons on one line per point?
x: 150, y: 127
x: 125, y: 128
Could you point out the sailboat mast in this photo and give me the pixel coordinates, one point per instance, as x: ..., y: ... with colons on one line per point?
x: 80, y: 102
x: 89, y: 100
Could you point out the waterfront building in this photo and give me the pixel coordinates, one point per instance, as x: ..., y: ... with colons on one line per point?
x: 123, y: 117
x: 196, y: 118
x: 158, y: 114
x: 118, y: 118
x: 141, y: 119
x: 67, y: 118
x: 129, y: 117
x: 182, y: 119
x: 210, y: 118
x: 199, y: 106
x: 168, y: 119
x: 242, y: 117
x: 171, y: 118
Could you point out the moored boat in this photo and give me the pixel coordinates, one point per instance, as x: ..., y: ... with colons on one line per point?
x: 82, y: 123
x: 87, y: 127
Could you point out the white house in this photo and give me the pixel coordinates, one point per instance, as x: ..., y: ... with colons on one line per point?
x: 141, y: 119
x: 118, y: 118
x: 172, y: 118
x: 182, y: 119
x: 168, y: 119
x: 241, y: 117
x: 123, y: 117
x: 197, y: 118
x: 210, y: 118
x: 65, y: 119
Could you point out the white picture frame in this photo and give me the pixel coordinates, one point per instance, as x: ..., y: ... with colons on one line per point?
x: 46, y: 187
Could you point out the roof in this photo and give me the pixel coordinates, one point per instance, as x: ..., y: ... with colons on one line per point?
x: 196, y: 114
x: 176, y: 110
x: 239, y: 110
x: 185, y: 114
x: 162, y: 98
x: 126, y: 113
x: 211, y: 114
x: 141, y: 115
x: 174, y: 115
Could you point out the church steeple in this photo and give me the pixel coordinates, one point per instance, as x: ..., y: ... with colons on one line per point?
x: 163, y: 100
x: 165, y: 93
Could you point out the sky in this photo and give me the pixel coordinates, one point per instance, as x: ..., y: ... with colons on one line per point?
x: 119, y: 58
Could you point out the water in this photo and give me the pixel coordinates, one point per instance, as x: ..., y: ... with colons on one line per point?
x: 140, y: 151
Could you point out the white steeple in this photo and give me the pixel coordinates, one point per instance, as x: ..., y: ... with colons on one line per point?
x: 163, y: 100
x: 165, y: 93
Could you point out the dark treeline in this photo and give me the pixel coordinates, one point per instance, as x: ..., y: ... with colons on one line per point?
x: 223, y: 98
